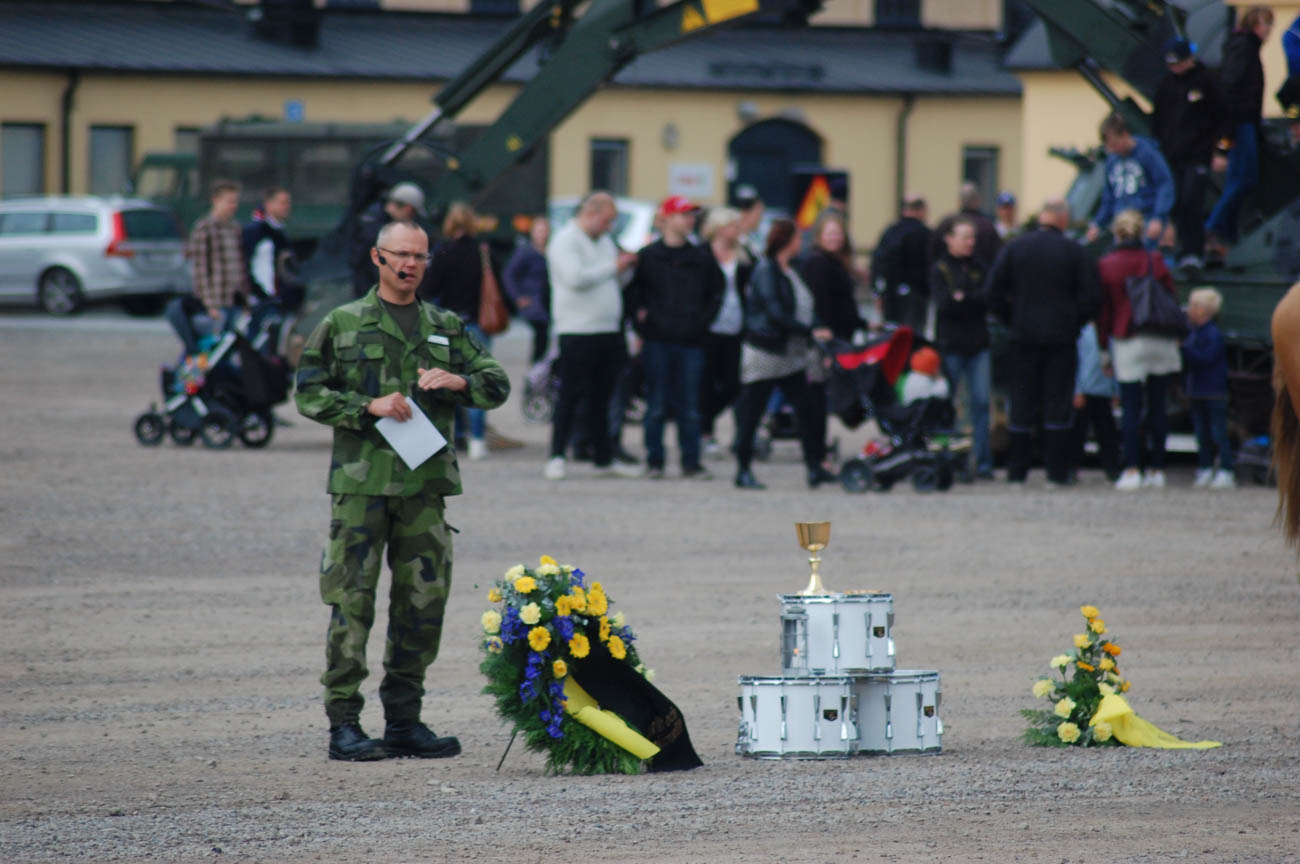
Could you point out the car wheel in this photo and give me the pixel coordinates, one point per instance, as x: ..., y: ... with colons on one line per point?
x: 217, y: 430
x: 256, y: 429
x: 150, y: 428
x: 144, y: 305
x: 856, y: 476
x: 59, y: 292
x: 180, y: 433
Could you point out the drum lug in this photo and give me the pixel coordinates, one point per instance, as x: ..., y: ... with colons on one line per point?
x: 920, y: 718
x: 753, y: 712
x: 784, y: 728
x: 844, y: 718
x: 868, y: 619
x: 889, y: 721
x: 835, y: 635
x: 891, y: 646
x: 817, y: 717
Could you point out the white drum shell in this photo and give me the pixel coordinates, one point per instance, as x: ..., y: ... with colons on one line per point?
x: 837, y: 634
x: 797, y: 718
x: 899, y: 712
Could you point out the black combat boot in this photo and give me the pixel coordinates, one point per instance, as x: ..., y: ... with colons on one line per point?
x: 349, y: 744
x: 413, y: 738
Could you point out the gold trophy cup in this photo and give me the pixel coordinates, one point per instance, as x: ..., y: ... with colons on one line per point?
x: 814, y: 536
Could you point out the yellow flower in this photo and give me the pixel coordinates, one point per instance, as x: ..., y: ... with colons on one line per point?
x: 525, y: 584
x: 548, y: 570
x: 1064, y: 707
x: 1060, y: 661
x: 1112, y: 677
x: 578, y: 600
x: 494, y: 644
x: 1081, y: 641
x: 1102, y: 732
x: 1112, y: 649
x: 563, y: 606
x: 1067, y: 732
x: 514, y: 572
x: 530, y: 614
x: 579, y: 646
x: 546, y: 559
x: 491, y: 621
x: 1097, y: 625
x: 1086, y: 667
x: 617, y: 620
x: 1043, y: 688
x: 597, y: 602
x: 1089, y: 611
x: 559, y: 668
x: 617, y: 649
x: 494, y: 595
x: 1107, y: 664
x: 604, y: 629
x: 1123, y: 688
x: 648, y: 674
x: 1106, y: 689
x: 539, y: 638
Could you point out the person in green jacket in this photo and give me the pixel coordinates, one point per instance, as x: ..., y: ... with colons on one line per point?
x: 381, y: 356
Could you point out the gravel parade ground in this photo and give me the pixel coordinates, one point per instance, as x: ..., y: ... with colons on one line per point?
x: 163, y: 640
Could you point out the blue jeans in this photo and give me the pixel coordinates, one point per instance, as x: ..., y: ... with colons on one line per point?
x: 672, y: 376
x: 974, y: 369
x: 477, y: 417
x: 1242, y: 176
x: 1132, y: 396
x: 1210, y: 420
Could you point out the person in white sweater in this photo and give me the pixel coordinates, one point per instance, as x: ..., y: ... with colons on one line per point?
x: 587, y: 316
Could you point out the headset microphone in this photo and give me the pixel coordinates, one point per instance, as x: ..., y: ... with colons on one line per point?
x: 400, y: 274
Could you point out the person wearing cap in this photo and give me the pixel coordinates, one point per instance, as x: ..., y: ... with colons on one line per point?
x: 1004, y: 215
x: 900, y: 266
x: 751, y: 209
x: 675, y: 293
x: 1187, y: 114
x: 1137, y: 178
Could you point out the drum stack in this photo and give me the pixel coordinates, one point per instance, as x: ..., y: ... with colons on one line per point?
x: 839, y: 694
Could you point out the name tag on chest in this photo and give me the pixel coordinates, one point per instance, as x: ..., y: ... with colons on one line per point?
x: 439, y: 340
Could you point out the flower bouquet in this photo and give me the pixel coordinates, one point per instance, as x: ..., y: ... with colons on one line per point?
x: 1076, y: 697
x: 1088, y: 710
x: 549, y: 624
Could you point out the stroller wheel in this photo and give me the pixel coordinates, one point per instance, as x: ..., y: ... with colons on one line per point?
x: 180, y: 433
x: 926, y: 478
x: 256, y: 429
x: 856, y: 476
x: 945, y: 477
x: 538, y: 405
x: 150, y: 428
x: 217, y: 430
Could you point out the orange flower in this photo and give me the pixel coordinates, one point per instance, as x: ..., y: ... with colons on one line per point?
x: 1123, y: 688
x: 1086, y: 667
x: 1111, y: 648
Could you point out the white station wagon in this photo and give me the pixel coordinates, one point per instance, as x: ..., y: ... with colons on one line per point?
x: 62, y: 252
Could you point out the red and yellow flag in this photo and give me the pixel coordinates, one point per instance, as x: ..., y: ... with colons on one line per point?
x: 814, y: 202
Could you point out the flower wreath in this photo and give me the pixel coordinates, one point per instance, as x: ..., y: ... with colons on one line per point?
x: 550, y: 620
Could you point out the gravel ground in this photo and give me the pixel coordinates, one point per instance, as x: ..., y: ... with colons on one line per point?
x: 163, y: 641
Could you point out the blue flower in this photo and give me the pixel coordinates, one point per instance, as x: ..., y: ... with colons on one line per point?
x: 625, y: 634
x: 546, y: 716
x: 527, y: 692
x: 532, y: 672
x: 554, y: 732
x: 564, y: 626
x: 557, y: 690
x: 576, y: 577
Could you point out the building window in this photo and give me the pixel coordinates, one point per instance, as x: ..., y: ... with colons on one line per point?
x: 186, y: 140
x: 22, y: 150
x: 898, y: 14
x: 979, y: 165
x: 609, y: 165
x: 110, y: 159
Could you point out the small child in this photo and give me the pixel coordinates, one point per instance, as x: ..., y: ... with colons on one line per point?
x: 925, y: 380
x: 1094, y: 393
x: 1207, y: 389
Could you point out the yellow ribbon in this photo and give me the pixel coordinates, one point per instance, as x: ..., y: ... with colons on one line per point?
x: 1136, y: 732
x: 606, y: 724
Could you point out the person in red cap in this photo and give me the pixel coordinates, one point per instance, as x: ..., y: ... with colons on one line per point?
x: 672, y: 299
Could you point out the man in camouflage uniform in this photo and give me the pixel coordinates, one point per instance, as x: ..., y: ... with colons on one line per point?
x: 370, y: 359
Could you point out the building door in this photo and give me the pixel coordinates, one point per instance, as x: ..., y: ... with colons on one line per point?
x: 763, y: 156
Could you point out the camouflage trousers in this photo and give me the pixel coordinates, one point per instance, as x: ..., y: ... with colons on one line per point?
x: 419, y: 556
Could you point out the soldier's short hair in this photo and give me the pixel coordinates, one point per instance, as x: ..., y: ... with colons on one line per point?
x: 387, y: 230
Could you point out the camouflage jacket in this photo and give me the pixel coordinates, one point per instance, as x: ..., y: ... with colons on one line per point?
x: 359, y: 353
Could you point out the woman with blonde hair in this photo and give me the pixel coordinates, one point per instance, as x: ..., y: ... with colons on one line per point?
x: 720, y: 384
x: 1143, y: 362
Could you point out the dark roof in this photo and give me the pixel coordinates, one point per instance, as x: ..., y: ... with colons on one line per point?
x: 179, y: 38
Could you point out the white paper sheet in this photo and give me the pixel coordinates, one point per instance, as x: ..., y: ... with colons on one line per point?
x: 415, y: 440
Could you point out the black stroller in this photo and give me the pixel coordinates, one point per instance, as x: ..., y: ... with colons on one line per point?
x: 919, y: 439
x: 225, y: 389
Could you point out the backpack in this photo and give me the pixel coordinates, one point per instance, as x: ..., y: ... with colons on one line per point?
x: 1153, y: 309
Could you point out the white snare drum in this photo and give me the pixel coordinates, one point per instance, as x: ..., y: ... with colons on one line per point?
x: 836, y: 634
x: 797, y: 718
x: 899, y: 712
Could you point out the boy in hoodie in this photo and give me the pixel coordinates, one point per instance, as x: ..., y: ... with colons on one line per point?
x: 1137, y: 178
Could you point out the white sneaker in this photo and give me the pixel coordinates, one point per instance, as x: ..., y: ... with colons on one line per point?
x: 1154, y: 480
x: 1203, y: 478
x: 1130, y: 480
x: 712, y: 449
x: 623, y: 469
x: 478, y: 450
x: 554, y: 468
x: 1223, y: 480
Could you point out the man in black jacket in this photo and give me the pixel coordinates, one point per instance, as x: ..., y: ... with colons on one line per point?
x: 1186, y: 120
x: 673, y: 298
x: 900, y: 266
x: 1043, y: 287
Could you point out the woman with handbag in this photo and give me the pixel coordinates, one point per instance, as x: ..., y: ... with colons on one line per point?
x: 1143, y: 359
x: 461, y: 280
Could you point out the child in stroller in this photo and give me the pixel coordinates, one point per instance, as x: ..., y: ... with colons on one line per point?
x: 919, y: 440
x: 224, y: 384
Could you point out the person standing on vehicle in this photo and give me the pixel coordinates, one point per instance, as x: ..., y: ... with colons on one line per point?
x: 587, y: 315
x: 1137, y: 178
x: 403, y: 203
x: 529, y: 284
x: 1043, y: 287
x: 900, y: 266
x: 672, y: 299
x: 382, y: 357
x: 1186, y: 118
x: 962, y: 332
x: 215, y: 250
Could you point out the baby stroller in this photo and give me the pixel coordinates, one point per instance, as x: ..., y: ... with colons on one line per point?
x: 223, y: 390
x: 918, y: 437
x: 542, y: 388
